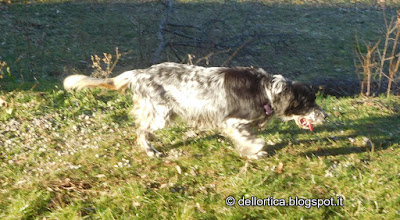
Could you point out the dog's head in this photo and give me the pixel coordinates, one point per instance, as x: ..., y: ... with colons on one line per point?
x: 295, y: 101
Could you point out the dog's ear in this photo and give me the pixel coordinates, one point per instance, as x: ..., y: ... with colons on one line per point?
x: 282, y: 100
x: 303, y: 88
x: 280, y: 94
x: 278, y: 84
x: 299, y: 99
x: 303, y: 91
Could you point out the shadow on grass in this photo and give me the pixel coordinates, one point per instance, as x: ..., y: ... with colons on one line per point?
x: 49, y: 39
x: 191, y: 140
x: 377, y: 133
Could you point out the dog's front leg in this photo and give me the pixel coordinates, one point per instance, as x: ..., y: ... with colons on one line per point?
x: 144, y: 143
x: 245, y: 141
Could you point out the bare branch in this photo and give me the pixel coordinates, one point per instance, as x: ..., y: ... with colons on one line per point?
x: 236, y: 52
x: 183, y: 26
x: 163, y: 23
x: 206, y: 58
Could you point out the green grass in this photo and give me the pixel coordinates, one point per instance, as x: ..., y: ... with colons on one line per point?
x: 72, y: 155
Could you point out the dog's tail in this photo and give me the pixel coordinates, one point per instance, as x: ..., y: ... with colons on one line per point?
x: 78, y: 82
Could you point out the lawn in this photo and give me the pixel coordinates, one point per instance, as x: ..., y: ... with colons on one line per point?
x: 66, y: 155
x: 73, y: 155
x: 305, y: 41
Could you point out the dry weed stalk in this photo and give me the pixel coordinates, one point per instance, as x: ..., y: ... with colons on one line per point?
x: 104, y: 72
x: 374, y: 62
x: 207, y: 57
x: 3, y: 64
x: 366, y: 61
x: 236, y: 52
x: 394, y: 66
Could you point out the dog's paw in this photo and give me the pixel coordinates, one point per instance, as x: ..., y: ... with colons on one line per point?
x: 154, y: 153
x: 159, y: 155
x: 259, y: 155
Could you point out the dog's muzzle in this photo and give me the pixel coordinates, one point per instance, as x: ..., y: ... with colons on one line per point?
x: 317, y: 116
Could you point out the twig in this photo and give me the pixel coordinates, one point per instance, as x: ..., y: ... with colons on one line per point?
x: 394, y: 68
x: 366, y: 63
x: 183, y: 35
x: 206, y: 57
x: 388, y: 33
x: 189, y: 44
x: 118, y: 55
x: 183, y: 25
x: 236, y: 51
x: 163, y: 23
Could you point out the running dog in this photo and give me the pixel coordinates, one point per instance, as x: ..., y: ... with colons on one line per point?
x: 233, y: 100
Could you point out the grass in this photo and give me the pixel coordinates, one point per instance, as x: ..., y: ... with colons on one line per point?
x: 304, y: 40
x: 72, y: 155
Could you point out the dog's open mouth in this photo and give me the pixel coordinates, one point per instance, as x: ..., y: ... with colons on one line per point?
x: 304, y: 123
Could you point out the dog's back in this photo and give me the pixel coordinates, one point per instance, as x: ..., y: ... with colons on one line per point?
x: 193, y: 92
x: 232, y: 100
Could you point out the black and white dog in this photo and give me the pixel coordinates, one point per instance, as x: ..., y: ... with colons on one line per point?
x: 232, y: 100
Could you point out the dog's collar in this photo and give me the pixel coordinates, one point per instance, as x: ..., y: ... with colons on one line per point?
x: 268, y: 109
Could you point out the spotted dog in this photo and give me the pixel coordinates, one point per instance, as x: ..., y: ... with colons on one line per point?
x: 233, y: 100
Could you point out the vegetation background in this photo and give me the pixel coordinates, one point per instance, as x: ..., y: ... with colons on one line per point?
x: 72, y: 155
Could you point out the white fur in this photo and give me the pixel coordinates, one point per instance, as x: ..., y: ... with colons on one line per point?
x: 278, y: 84
x: 203, y: 97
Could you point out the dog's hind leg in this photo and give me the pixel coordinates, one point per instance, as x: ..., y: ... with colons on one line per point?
x: 149, y: 117
x: 245, y: 141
